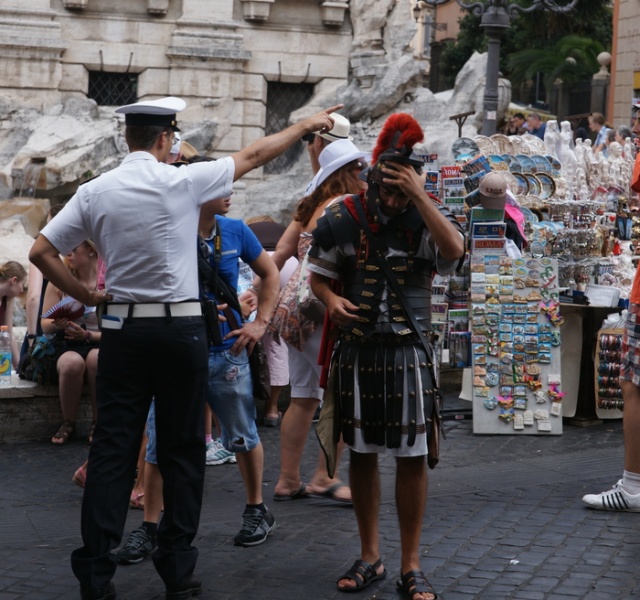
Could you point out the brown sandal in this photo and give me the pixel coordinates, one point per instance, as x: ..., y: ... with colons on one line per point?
x: 65, y: 433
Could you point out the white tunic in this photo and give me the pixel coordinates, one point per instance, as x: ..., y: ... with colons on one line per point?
x: 143, y: 218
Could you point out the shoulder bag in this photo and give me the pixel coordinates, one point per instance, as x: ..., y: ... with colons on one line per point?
x: 309, y: 306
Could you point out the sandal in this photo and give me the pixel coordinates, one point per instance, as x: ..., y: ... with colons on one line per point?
x: 65, y: 433
x: 413, y: 583
x: 136, y: 500
x: 363, y: 574
x: 272, y: 421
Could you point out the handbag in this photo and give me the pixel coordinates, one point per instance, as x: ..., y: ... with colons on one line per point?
x: 39, y: 364
x: 308, y: 305
x: 435, y: 420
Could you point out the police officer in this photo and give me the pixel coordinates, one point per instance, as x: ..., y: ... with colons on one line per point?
x: 143, y: 218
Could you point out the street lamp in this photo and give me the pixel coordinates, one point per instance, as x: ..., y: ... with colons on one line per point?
x: 495, y: 20
x: 418, y: 7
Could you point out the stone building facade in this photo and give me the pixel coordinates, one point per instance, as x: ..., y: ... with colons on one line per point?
x: 224, y: 57
x: 625, y: 66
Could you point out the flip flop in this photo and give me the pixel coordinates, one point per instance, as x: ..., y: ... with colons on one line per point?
x: 300, y: 494
x: 272, y: 421
x: 330, y: 494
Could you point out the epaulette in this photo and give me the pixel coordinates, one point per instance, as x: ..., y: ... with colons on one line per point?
x: 336, y: 227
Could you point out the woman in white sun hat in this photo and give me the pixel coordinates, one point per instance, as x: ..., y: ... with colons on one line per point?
x: 341, y: 163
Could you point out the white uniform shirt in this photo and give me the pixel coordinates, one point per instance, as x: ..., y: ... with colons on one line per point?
x: 143, y: 218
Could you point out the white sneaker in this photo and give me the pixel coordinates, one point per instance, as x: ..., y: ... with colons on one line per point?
x: 614, y: 499
x: 217, y: 454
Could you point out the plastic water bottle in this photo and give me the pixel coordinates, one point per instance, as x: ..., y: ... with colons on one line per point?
x: 5, y: 356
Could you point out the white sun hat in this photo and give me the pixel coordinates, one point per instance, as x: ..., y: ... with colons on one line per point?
x: 334, y: 157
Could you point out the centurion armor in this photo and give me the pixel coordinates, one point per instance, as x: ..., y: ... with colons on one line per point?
x: 379, y: 352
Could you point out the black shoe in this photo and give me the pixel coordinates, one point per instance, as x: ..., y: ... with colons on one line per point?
x: 139, y: 545
x: 107, y: 593
x: 256, y: 526
x: 192, y: 587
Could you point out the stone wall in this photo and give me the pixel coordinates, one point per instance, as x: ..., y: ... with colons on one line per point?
x: 29, y: 412
x: 626, y: 60
x: 218, y: 56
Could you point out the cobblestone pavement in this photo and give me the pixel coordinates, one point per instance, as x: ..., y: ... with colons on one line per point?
x: 504, y: 521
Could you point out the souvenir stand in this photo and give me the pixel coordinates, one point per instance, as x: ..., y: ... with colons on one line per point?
x: 579, y: 220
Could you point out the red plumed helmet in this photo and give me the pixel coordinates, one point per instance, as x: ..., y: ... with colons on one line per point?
x: 400, y: 133
x: 395, y: 143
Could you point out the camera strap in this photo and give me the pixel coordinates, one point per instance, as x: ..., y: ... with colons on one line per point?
x: 209, y: 276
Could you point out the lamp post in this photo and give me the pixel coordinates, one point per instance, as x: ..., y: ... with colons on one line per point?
x: 495, y: 20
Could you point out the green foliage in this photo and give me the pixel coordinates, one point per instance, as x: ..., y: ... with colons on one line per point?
x: 572, y: 58
x: 537, y: 38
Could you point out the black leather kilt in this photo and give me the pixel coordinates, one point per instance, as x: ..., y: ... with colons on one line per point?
x: 397, y: 388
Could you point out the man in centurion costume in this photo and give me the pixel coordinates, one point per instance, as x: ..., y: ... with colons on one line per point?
x: 381, y: 387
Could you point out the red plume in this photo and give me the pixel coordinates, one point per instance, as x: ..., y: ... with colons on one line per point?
x: 400, y: 132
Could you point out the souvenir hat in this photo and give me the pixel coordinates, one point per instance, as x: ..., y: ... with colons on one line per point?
x: 188, y: 151
x: 333, y: 157
x: 340, y: 129
x: 493, y: 190
x: 161, y: 112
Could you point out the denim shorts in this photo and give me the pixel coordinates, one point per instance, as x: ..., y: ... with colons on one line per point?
x: 230, y: 396
x: 151, y: 456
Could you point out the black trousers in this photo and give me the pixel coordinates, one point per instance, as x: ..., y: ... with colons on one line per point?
x: 147, y: 358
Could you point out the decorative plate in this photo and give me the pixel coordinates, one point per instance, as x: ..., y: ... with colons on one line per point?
x: 498, y: 163
x: 555, y: 163
x: 535, y: 187
x: 523, y: 184
x: 502, y: 143
x: 528, y: 166
x: 535, y: 144
x: 514, y: 164
x: 464, y: 145
x: 512, y: 182
x: 529, y: 215
x: 518, y: 145
x: 548, y: 185
x: 485, y: 144
x: 542, y: 163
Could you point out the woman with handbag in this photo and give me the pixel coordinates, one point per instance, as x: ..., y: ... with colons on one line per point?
x: 77, y: 338
x: 35, y: 297
x: 12, y: 277
x: 341, y: 164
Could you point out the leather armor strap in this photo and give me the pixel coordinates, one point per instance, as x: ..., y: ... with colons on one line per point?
x: 346, y: 386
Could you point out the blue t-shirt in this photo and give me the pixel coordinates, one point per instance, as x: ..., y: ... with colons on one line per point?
x: 238, y: 241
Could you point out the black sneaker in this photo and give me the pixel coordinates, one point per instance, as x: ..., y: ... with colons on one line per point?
x: 256, y: 526
x: 139, y: 545
x: 108, y: 593
x: 190, y: 588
